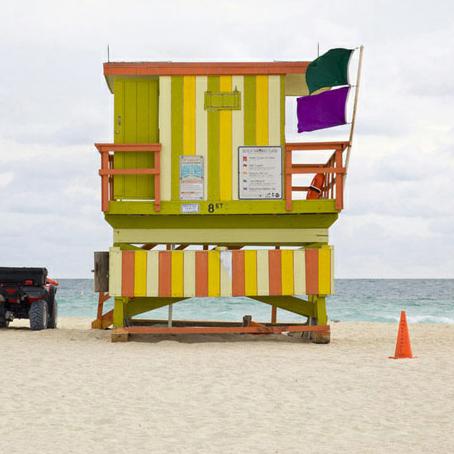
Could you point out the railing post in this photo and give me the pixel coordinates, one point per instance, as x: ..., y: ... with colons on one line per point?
x: 288, y: 179
x: 157, y: 182
x: 104, y: 180
x: 339, y: 180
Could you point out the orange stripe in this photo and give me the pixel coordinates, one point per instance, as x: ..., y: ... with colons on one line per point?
x: 274, y: 266
x: 311, y: 271
x: 165, y: 273
x: 201, y: 273
x: 127, y: 277
x: 238, y: 273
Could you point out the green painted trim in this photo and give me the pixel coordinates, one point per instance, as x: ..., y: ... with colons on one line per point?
x: 138, y: 306
x: 225, y: 207
x: 290, y: 304
x: 249, y: 110
x: 177, y: 132
x: 213, y: 144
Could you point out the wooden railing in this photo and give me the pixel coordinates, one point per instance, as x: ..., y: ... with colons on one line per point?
x: 107, y: 170
x: 333, y: 171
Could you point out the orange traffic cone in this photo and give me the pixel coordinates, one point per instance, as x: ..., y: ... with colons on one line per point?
x: 403, y: 347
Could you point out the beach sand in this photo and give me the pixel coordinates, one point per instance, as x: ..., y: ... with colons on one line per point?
x: 73, y: 391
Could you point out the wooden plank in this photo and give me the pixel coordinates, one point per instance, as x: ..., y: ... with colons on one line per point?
x: 165, y: 273
x: 287, y: 272
x: 101, y: 271
x: 225, y: 144
x: 201, y: 273
x: 189, y: 275
x: 249, y: 110
x: 213, y: 273
x: 177, y: 133
x: 238, y: 283
x: 115, y: 271
x: 263, y: 281
x: 165, y: 135
x: 226, y: 273
x: 140, y: 273
x: 152, y: 273
x: 201, y: 86
x: 324, y: 270
x: 311, y: 271
x: 261, y: 110
x: 237, y: 133
x: 250, y: 272
x: 213, y: 144
x: 127, y: 267
x: 189, y: 118
x: 177, y: 282
x: 299, y: 271
x: 274, y: 110
x: 275, y: 277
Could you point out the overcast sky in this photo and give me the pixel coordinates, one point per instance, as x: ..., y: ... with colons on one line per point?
x: 54, y: 104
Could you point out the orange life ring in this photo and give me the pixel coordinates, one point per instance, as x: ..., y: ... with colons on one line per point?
x: 315, y: 189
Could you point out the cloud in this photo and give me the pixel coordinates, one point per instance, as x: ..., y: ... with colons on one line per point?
x: 54, y: 104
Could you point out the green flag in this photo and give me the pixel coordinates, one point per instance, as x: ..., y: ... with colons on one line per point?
x: 329, y: 70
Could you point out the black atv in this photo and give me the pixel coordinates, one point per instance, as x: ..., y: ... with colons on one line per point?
x: 28, y: 293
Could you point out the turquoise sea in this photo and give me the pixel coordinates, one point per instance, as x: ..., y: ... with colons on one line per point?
x: 378, y: 300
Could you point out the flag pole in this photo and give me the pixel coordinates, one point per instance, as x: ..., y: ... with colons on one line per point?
x: 355, y: 106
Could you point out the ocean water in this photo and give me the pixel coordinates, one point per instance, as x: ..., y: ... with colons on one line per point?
x: 377, y: 300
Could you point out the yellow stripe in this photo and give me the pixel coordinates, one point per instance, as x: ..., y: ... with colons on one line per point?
x: 261, y: 110
x: 189, y: 273
x: 140, y: 273
x: 237, y: 133
x: 152, y: 273
x: 165, y: 135
x: 225, y: 144
x: 324, y: 270
x: 299, y: 271
x: 250, y: 271
x: 263, y: 280
x: 213, y: 273
x: 332, y: 271
x: 226, y: 273
x: 287, y: 271
x: 274, y: 110
x: 201, y: 137
x: 115, y: 271
x: 177, y: 273
x: 189, y: 115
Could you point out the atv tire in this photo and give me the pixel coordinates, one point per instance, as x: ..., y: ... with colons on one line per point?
x: 52, y: 309
x: 38, y: 315
x: 4, y: 323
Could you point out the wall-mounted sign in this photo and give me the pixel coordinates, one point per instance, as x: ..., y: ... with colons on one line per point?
x: 191, y: 177
x: 260, y: 173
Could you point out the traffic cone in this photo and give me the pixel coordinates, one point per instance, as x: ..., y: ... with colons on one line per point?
x: 403, y: 347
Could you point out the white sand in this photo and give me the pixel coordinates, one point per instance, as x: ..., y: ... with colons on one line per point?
x: 73, y: 391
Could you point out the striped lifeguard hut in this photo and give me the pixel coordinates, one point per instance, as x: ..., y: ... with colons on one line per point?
x: 199, y: 186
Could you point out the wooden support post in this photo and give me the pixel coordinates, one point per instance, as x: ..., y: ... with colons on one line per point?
x: 104, y: 182
x: 157, y: 182
x: 321, y: 319
x: 273, y: 314
x: 288, y: 179
x: 339, y: 181
x: 120, y: 312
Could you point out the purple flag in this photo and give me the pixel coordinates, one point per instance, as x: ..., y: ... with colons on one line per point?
x: 321, y: 111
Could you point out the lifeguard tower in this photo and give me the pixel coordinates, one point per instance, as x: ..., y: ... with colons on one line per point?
x: 198, y: 186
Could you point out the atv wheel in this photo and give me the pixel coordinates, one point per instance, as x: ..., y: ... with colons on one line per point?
x: 53, y: 314
x: 4, y: 323
x: 38, y: 315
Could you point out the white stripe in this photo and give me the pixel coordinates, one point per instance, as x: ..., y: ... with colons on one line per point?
x: 152, y: 273
x: 263, y: 279
x: 189, y: 273
x: 274, y: 110
x: 299, y: 272
x: 165, y: 136
x: 115, y: 270
x: 226, y: 273
x: 201, y: 119
x: 237, y: 133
